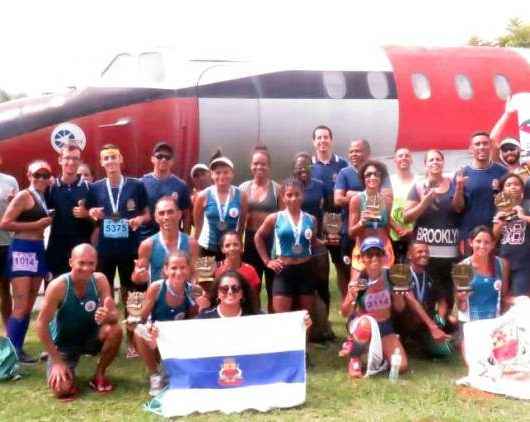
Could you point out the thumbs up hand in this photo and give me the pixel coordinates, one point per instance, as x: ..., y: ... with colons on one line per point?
x: 80, y: 211
x: 104, y: 312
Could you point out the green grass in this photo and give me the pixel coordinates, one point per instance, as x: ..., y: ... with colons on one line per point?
x: 426, y: 393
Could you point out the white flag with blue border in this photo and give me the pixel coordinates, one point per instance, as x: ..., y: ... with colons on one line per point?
x: 232, y: 364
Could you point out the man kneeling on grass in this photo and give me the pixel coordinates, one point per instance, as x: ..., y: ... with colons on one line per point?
x: 79, y: 317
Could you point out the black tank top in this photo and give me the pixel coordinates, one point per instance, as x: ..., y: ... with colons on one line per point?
x: 35, y: 213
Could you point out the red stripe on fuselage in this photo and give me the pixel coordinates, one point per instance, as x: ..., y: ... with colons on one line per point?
x: 173, y: 120
x: 445, y: 121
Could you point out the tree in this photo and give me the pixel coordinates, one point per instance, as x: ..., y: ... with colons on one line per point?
x: 517, y: 35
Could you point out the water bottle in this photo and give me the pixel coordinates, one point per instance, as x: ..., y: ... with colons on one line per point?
x: 395, y: 363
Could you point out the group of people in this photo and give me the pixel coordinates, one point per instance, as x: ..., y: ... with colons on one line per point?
x: 153, y: 229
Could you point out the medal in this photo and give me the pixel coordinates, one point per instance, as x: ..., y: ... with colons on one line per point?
x: 222, y: 209
x: 298, y: 249
x: 114, y: 204
x: 297, y: 231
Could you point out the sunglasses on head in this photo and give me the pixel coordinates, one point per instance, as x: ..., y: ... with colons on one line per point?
x: 163, y: 157
x: 234, y: 288
x: 507, y: 148
x: 372, y: 173
x: 374, y: 252
x: 44, y: 176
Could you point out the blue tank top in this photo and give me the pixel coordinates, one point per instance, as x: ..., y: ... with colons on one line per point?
x: 211, y: 229
x: 284, y: 236
x: 74, y: 321
x: 485, y: 297
x: 163, y: 312
x: 159, y: 253
x: 384, y: 212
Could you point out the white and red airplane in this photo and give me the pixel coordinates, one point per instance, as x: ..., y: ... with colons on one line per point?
x: 394, y: 97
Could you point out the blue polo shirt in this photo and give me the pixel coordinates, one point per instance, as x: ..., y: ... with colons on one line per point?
x: 478, y: 194
x: 132, y: 202
x: 63, y: 198
x: 327, y: 173
x: 315, y: 195
x: 157, y: 188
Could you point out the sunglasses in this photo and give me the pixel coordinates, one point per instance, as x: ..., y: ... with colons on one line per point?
x: 44, y: 176
x: 163, y: 157
x: 372, y: 173
x: 234, y: 288
x: 507, y: 148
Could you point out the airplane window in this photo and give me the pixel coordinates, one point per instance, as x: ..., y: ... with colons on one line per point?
x: 377, y: 84
x: 421, y: 86
x: 151, y: 67
x: 335, y: 84
x: 122, y: 68
x: 502, y: 87
x: 463, y: 87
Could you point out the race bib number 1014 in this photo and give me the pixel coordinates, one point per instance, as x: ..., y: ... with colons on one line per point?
x: 25, y: 261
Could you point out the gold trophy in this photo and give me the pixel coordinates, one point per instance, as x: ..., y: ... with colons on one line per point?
x: 462, y: 275
x: 374, y: 205
x: 505, y: 203
x: 331, y: 224
x: 205, y: 269
x: 135, y: 301
x: 399, y: 275
x: 523, y: 171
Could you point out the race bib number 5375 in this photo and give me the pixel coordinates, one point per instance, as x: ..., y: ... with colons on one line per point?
x: 25, y: 261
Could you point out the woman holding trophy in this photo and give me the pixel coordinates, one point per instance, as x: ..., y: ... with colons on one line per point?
x: 368, y: 305
x: 511, y: 227
x: 168, y: 299
x: 482, y: 294
x: 370, y: 214
x: 430, y: 206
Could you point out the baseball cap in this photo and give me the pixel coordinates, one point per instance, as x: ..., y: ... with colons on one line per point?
x: 197, y: 167
x: 372, y: 243
x: 510, y: 141
x: 162, y: 146
x: 38, y: 165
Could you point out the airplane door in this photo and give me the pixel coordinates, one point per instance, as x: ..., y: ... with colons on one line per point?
x: 228, y: 114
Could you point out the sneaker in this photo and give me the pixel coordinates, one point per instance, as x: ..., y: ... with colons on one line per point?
x: 156, y: 384
x: 23, y: 357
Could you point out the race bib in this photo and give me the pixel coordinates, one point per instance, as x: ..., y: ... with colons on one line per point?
x: 118, y: 229
x: 25, y: 261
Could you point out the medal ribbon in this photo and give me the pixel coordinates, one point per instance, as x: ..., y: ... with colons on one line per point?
x: 222, y: 209
x: 164, y: 245
x: 420, y: 288
x: 296, y: 228
x: 114, y: 205
x: 37, y: 196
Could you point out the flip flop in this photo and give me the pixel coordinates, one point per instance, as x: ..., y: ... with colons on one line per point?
x: 101, y: 385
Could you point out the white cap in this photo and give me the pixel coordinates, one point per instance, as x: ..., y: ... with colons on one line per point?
x: 38, y: 165
x: 510, y: 141
x: 198, y: 166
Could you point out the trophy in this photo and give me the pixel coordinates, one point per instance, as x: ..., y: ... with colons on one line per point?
x: 399, y: 275
x: 523, y: 171
x: 505, y: 203
x: 196, y: 291
x: 205, y: 269
x: 462, y: 275
x: 374, y: 204
x: 135, y: 301
x: 331, y: 224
